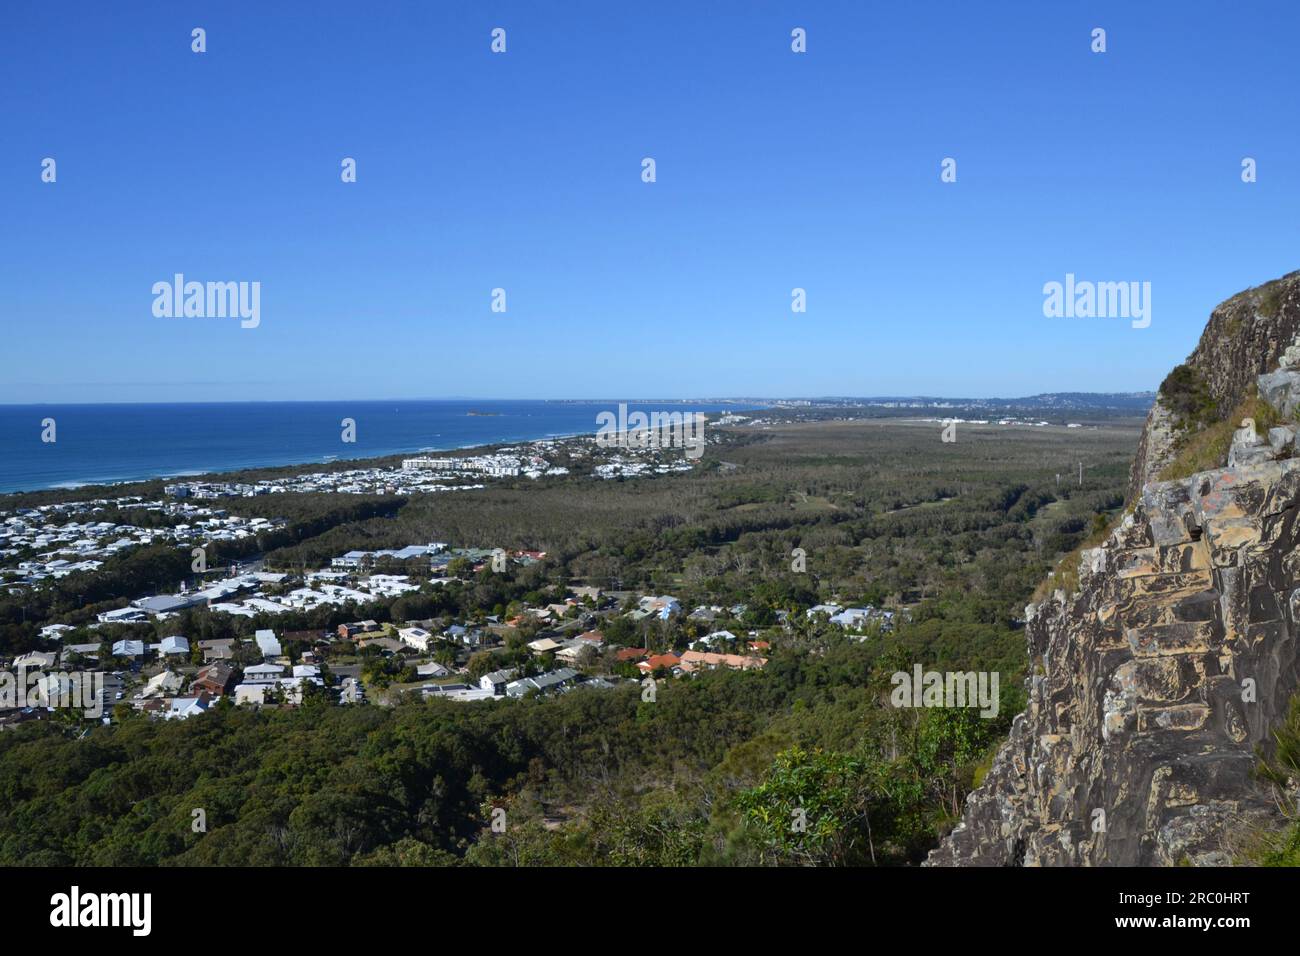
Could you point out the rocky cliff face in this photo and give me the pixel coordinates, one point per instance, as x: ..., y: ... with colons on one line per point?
x: 1244, y: 338
x: 1155, y: 682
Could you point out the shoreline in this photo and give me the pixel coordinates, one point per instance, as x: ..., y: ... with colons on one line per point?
x: 158, y: 465
x: 334, y: 464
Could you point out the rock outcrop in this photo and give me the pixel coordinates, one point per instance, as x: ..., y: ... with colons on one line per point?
x: 1245, y: 338
x: 1156, y: 681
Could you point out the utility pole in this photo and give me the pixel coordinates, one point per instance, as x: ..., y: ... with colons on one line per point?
x: 1080, y: 474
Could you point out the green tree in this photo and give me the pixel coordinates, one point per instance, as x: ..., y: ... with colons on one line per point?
x: 812, y: 808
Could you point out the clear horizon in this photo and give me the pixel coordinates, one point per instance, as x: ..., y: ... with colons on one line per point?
x: 599, y: 399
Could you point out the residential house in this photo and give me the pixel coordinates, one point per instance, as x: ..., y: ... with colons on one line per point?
x: 572, y: 652
x: 123, y: 615
x: 854, y: 617
x: 128, y: 649
x: 662, y: 607
x: 416, y: 637
x: 828, y: 609
x: 497, y: 680
x: 217, y: 650
x: 174, y: 646
x: 717, y: 637
x: 263, y: 673
x: 543, y: 683
x: 544, y: 645
x: 357, y: 628
x: 652, y: 664
x: 700, y: 660
x: 467, y: 636
x: 578, y: 648
x: 161, y: 685
x: 213, y: 679
x: 182, y: 708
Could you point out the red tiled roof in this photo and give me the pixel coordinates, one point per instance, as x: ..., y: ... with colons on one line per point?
x: 658, y: 661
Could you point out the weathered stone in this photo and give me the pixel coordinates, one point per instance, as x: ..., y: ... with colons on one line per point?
x: 1177, y: 658
x: 1169, y: 513
x: 1247, y: 447
x: 1281, y: 389
x: 1176, y: 558
x: 1184, y: 717
x: 1136, y: 563
x: 1199, y: 607
x: 1140, y: 710
x: 1165, y: 680
x: 1092, y: 562
x: 1133, y: 531
x: 1170, y: 638
x: 1156, y: 449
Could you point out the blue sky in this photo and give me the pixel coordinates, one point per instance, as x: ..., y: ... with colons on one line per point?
x: 523, y: 171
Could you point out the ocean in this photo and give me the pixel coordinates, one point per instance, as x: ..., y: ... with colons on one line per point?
x: 110, y: 443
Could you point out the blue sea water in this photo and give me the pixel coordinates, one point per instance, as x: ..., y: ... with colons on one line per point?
x: 109, y: 443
